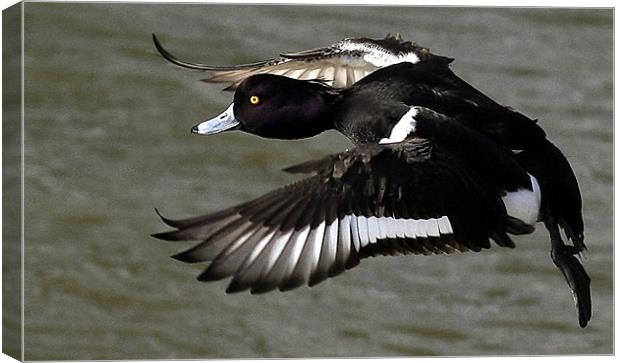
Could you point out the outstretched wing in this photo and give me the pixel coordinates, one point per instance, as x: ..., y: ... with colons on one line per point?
x: 372, y: 200
x: 340, y: 65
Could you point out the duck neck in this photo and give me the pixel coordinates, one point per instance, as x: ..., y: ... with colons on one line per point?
x: 318, y: 116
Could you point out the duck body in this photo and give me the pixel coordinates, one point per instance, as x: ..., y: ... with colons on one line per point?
x: 420, y: 196
x: 385, y: 93
x: 438, y: 167
x: 369, y: 110
x: 434, y: 175
x: 419, y: 84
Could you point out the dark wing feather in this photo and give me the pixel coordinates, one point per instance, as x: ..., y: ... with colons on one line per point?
x: 372, y: 200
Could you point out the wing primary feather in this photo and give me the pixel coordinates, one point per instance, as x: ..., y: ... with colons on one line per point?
x: 199, y: 230
x: 266, y: 281
x: 308, y: 260
x: 286, y: 262
x: 362, y: 229
x: 254, y: 272
x: 312, y: 250
x: 309, y: 212
x: 431, y: 230
x: 229, y: 260
x: 294, y: 73
x: 312, y: 73
x: 415, y: 247
x: 358, y: 74
x: 327, y: 74
x: 355, y: 238
x: 230, y: 76
x: 204, y: 67
x: 215, y: 244
x: 328, y: 254
x: 246, y: 275
x: 401, y: 246
x: 178, y: 223
x: 343, y: 249
x: 301, y: 239
x: 340, y: 77
x: 502, y: 239
x: 350, y: 77
x: 299, y: 223
x: 267, y: 210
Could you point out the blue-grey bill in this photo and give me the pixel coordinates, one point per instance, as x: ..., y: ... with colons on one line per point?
x: 222, y: 122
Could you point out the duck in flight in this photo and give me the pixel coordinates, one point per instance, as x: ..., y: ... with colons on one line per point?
x: 438, y: 167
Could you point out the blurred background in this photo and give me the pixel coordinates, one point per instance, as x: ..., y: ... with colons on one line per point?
x: 107, y: 140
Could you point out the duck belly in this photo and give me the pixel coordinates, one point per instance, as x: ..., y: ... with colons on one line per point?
x: 524, y: 204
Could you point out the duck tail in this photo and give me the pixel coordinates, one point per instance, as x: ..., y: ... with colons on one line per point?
x: 561, y: 208
x: 561, y: 197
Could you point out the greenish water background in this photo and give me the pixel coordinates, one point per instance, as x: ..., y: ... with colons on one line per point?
x: 107, y: 140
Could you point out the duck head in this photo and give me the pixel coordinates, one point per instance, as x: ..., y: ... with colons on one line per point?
x: 276, y: 107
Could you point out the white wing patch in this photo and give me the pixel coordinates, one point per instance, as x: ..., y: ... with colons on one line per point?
x: 405, y: 126
x: 262, y: 260
x: 524, y: 204
x: 376, y: 55
x: 373, y: 229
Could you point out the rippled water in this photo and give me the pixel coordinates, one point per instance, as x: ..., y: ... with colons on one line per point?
x: 107, y: 140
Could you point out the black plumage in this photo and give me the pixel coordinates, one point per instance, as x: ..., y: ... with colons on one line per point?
x: 453, y: 145
x: 268, y: 243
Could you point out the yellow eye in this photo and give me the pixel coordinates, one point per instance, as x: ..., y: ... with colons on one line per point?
x: 254, y: 100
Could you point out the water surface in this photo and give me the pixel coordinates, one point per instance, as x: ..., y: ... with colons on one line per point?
x: 107, y: 140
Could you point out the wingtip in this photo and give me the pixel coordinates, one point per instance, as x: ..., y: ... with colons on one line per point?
x: 172, y: 59
x: 158, y: 45
x: 166, y: 236
x: 168, y: 221
x: 234, y: 287
x: 584, y: 311
x: 207, y: 275
x: 187, y: 257
x: 164, y: 219
x: 291, y: 169
x: 175, y: 235
x: 203, y: 277
x: 259, y: 290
